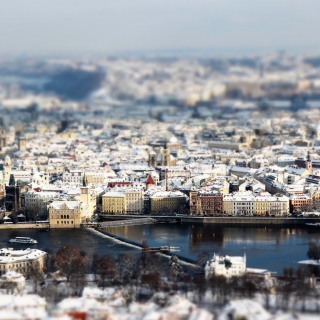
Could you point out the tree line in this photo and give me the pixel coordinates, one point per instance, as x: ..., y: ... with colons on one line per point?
x: 134, y: 271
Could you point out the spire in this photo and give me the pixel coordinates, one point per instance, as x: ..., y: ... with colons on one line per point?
x: 308, y: 156
x: 12, y: 181
x: 84, y: 180
x: 167, y: 180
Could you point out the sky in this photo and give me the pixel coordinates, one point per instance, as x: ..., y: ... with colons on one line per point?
x: 151, y: 26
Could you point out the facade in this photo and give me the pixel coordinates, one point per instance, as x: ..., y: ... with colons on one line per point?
x: 167, y: 201
x: 2, y: 192
x: 134, y: 199
x: 37, y: 202
x: 114, y: 202
x: 67, y: 214
x: 89, y: 197
x: 94, y: 177
x: 300, y: 202
x: 206, y: 202
x: 15, y: 194
x: 226, y: 266
x: 248, y: 204
x: 20, y: 260
x: 3, y: 137
x: 73, y: 177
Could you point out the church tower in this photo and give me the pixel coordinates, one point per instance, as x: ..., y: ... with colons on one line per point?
x: 85, y: 193
x: 45, y: 178
x: 152, y: 159
x: 7, y: 168
x: 22, y: 142
x: 3, y: 137
x: 308, y: 162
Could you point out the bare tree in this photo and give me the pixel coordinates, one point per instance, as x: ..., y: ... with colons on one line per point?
x: 127, y: 264
x: 145, y: 253
x: 219, y: 288
x: 152, y: 279
x: 35, y: 274
x: 69, y: 261
x: 200, y: 287
x: 104, y: 267
x: 202, y: 259
x: 314, y: 251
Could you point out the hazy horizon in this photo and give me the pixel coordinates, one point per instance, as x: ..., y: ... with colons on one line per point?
x: 151, y: 27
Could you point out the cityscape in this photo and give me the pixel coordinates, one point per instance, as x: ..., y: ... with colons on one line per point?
x: 140, y: 179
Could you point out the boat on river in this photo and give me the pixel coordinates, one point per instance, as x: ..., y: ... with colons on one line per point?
x: 25, y: 240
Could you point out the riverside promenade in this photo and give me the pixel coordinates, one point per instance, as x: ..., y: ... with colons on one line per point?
x: 236, y: 221
x: 15, y: 226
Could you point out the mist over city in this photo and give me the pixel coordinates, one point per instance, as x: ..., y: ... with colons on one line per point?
x: 160, y: 160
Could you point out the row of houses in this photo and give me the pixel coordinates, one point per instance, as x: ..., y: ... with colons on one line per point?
x: 246, y: 203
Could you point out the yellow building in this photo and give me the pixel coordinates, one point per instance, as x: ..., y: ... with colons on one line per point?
x: 67, y: 214
x: 167, y: 201
x: 68, y: 135
x: 94, y: 177
x: 114, y: 202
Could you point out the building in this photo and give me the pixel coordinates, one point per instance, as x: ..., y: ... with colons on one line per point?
x: 21, y: 260
x: 37, y: 202
x: 67, y: 214
x: 300, y: 202
x: 226, y: 266
x: 206, y: 202
x: 22, y: 142
x: 168, y: 201
x: 89, y: 197
x: 73, y: 177
x: 13, y: 280
x: 114, y: 202
x: 15, y: 191
x: 94, y: 177
x: 249, y: 204
x: 2, y: 192
x: 134, y: 198
x: 3, y: 137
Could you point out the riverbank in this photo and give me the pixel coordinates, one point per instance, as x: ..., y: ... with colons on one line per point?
x: 236, y: 221
x: 24, y: 226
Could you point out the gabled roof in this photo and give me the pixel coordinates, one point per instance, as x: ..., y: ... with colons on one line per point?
x: 150, y: 180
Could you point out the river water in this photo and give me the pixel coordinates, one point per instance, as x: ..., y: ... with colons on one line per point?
x: 269, y: 248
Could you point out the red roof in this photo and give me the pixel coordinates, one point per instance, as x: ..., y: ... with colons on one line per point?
x: 150, y: 180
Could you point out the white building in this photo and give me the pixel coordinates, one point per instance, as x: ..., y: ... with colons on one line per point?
x: 38, y: 201
x: 20, y: 260
x: 73, y: 177
x: 226, y: 266
x: 134, y: 200
x: 247, y: 203
x: 15, y: 278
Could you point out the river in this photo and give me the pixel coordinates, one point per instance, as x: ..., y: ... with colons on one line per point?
x: 269, y: 248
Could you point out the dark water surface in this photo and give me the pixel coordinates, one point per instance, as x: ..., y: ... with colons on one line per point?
x: 90, y: 241
x: 269, y: 248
